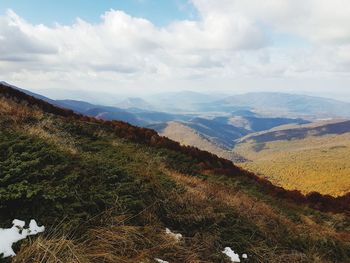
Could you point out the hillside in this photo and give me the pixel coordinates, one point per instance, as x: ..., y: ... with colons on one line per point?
x: 309, y: 158
x: 218, y: 135
x: 186, y: 135
x: 106, y: 191
x: 256, y: 123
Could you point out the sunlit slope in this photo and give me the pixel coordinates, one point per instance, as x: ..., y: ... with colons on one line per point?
x: 313, y: 161
x: 188, y: 136
x: 106, y: 192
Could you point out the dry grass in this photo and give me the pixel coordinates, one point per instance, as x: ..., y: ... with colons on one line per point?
x: 44, y: 126
x: 18, y: 111
x: 116, y: 239
x: 58, y: 250
x: 46, y: 129
x: 114, y: 242
x: 270, y: 221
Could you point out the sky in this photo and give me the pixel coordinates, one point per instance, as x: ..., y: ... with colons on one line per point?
x: 146, y: 46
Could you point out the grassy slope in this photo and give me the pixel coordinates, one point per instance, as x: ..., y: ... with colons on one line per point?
x: 118, y: 196
x: 188, y: 136
x: 315, y: 163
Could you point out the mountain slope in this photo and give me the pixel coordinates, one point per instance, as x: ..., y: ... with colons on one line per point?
x: 219, y: 134
x: 185, y: 135
x: 336, y: 128
x: 113, y: 188
x: 256, y: 124
x: 309, y: 158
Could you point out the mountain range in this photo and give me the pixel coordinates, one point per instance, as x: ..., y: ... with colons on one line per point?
x: 283, y: 104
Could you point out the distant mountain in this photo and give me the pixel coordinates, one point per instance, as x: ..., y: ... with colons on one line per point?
x: 187, y: 135
x: 98, y: 111
x: 255, y: 124
x: 159, y: 117
x: 76, y: 105
x: 336, y: 128
x: 137, y: 103
x: 281, y: 104
x: 135, y: 115
x: 219, y: 134
x: 186, y: 97
x: 224, y: 131
x: 183, y: 101
x: 112, y: 113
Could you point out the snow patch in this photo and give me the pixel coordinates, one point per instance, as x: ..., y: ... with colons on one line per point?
x: 17, y: 232
x: 34, y: 228
x: 231, y: 254
x: 160, y: 261
x: 175, y: 236
x: 245, y: 256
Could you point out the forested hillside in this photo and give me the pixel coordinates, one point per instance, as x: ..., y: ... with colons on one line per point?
x: 106, y: 191
x: 308, y: 158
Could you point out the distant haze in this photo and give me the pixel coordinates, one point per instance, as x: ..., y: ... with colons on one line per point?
x: 115, y: 97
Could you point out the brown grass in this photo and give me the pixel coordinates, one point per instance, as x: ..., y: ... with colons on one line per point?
x: 48, y: 250
x: 18, y: 111
x: 116, y: 242
x: 268, y: 219
x: 47, y: 130
x: 116, y: 239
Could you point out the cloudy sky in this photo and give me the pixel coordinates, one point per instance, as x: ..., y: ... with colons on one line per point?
x: 144, y: 46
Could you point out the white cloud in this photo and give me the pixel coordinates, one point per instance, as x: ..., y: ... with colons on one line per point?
x: 16, y: 44
x: 316, y: 20
x: 232, y: 43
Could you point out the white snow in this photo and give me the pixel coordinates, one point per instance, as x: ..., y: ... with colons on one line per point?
x: 231, y: 254
x: 18, y: 223
x: 177, y: 237
x: 245, y: 256
x: 17, y: 232
x: 34, y: 228
x: 160, y: 261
